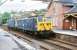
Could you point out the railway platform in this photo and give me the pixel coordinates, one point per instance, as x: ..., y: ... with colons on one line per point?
x: 66, y: 32
x: 10, y: 42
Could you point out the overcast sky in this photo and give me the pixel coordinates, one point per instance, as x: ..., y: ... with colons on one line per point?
x: 17, y: 5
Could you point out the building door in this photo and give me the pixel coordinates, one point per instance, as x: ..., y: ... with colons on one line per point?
x: 66, y: 24
x: 76, y: 24
x: 70, y: 23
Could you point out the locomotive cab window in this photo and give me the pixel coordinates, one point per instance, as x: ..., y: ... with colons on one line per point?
x: 40, y: 18
x: 47, y: 19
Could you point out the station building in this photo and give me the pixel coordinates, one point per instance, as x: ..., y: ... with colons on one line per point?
x: 70, y: 20
x: 62, y: 14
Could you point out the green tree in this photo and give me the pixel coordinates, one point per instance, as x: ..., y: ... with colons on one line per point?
x: 5, y: 17
x: 40, y: 12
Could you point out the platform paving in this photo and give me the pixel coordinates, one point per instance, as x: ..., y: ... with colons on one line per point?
x: 66, y: 32
x: 10, y: 42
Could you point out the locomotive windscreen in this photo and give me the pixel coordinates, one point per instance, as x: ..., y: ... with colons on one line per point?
x: 44, y: 23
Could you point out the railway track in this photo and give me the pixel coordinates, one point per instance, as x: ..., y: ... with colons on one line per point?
x: 51, y: 44
x: 61, y: 45
x: 48, y: 44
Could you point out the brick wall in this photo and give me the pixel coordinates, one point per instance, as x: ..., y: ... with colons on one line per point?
x: 56, y: 11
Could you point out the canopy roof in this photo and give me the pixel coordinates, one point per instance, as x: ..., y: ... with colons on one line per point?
x: 66, y: 1
x: 74, y: 9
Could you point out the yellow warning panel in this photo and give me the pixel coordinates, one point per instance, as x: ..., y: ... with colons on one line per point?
x: 44, y: 26
x: 47, y: 26
x: 40, y: 26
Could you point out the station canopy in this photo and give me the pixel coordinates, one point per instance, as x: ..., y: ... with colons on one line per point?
x: 22, y: 5
x: 66, y: 1
x: 74, y: 9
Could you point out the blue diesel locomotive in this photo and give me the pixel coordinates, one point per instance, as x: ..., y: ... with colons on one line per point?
x: 38, y: 26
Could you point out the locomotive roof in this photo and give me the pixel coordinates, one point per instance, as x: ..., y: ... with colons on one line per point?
x: 26, y: 18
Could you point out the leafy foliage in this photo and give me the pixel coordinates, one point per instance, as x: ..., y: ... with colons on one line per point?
x: 40, y: 12
x: 5, y: 17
